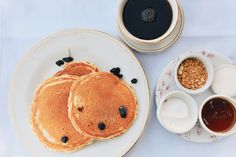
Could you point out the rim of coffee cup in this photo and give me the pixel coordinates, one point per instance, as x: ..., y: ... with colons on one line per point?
x: 175, y: 12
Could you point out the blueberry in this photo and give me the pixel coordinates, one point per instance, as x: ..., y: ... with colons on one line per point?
x: 80, y: 109
x: 64, y: 139
x: 67, y: 59
x: 134, y: 81
x: 148, y: 15
x: 101, y: 126
x: 116, y: 72
x: 123, y: 111
x: 120, y: 76
x: 59, y: 62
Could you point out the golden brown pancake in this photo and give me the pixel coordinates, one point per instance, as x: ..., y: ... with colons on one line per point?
x: 77, y: 68
x: 94, y: 105
x: 49, y: 116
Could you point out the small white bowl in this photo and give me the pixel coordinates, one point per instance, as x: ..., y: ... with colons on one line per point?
x: 209, y: 68
x: 146, y: 45
x: 181, y: 125
x: 220, y: 134
x: 224, y: 83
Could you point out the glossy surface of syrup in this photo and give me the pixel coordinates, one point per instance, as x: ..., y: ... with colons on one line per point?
x: 218, y: 115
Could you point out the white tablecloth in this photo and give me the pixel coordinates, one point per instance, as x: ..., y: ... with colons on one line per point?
x: 209, y: 25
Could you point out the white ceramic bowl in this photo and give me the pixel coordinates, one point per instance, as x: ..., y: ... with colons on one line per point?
x: 209, y: 68
x: 142, y: 43
x: 224, y: 83
x: 184, y: 125
x: 221, y: 134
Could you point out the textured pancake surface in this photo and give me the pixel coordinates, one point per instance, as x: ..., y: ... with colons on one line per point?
x: 49, y: 116
x: 77, y: 68
x: 95, y: 99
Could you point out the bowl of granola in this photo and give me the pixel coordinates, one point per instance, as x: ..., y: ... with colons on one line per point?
x: 193, y: 73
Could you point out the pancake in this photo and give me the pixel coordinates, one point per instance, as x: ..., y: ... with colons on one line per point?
x: 95, y: 102
x: 49, y: 116
x: 77, y: 68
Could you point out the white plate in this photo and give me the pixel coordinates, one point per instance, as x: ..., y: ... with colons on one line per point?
x: 166, y: 84
x: 39, y: 64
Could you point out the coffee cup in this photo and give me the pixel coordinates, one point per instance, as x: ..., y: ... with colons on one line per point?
x: 135, y: 41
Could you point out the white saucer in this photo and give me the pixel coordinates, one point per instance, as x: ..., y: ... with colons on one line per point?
x: 166, y: 84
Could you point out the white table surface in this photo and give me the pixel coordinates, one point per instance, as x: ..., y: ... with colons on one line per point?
x: 210, y: 25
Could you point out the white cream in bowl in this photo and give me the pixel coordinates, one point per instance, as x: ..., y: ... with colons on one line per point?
x: 224, y: 81
x: 177, y: 112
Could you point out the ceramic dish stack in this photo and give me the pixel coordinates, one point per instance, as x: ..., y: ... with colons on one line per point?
x: 190, y: 110
x: 157, y: 44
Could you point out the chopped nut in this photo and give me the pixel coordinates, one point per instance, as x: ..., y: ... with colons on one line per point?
x: 180, y: 72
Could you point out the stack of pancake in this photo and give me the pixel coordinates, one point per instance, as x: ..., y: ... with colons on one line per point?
x: 80, y: 104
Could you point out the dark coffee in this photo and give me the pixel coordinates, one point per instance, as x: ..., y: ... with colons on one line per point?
x: 218, y: 115
x: 147, y: 19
